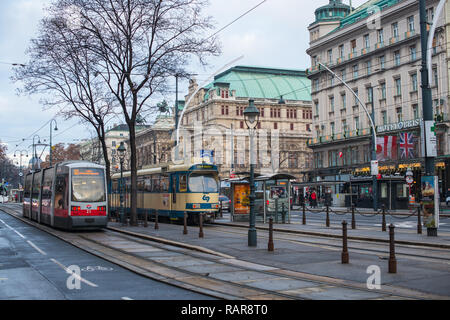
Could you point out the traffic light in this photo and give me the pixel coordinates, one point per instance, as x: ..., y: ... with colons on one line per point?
x: 379, y: 176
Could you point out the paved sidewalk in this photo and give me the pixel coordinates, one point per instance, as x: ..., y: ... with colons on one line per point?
x: 300, y: 253
x: 361, y: 232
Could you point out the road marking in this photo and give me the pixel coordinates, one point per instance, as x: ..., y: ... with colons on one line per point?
x: 23, y: 237
x: 75, y: 275
x: 1, y: 279
x: 11, y: 228
x: 126, y: 298
x: 36, y: 247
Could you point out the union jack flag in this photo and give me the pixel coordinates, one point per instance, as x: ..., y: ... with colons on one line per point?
x: 407, y: 145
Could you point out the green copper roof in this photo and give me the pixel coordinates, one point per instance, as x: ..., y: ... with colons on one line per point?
x: 365, y: 10
x: 264, y: 83
x: 335, y: 10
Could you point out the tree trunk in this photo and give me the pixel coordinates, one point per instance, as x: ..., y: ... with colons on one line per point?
x: 133, y: 171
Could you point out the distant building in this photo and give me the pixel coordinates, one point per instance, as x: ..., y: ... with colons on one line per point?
x: 91, y: 150
x: 284, y: 101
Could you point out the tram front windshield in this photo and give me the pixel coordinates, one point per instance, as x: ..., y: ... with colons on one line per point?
x: 88, y: 185
x: 203, y: 182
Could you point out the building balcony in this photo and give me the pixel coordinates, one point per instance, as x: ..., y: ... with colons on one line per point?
x: 338, y: 137
x: 441, y: 117
x: 365, y: 51
x: 379, y: 45
x: 409, y: 34
x: 393, y: 40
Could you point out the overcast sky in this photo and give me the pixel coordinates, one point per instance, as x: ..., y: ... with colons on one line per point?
x: 273, y: 35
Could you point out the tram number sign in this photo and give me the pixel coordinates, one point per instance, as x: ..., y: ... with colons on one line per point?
x: 409, y: 179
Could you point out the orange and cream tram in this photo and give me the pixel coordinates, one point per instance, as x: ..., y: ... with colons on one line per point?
x: 69, y: 195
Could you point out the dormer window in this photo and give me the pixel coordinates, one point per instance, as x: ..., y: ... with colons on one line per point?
x: 224, y: 93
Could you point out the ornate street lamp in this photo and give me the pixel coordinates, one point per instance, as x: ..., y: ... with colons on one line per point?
x: 251, y: 114
x: 121, y: 151
x: 56, y: 128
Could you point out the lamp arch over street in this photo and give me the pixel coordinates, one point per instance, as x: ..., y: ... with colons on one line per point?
x: 374, y: 132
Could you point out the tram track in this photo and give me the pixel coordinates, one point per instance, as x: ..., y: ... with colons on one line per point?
x: 95, y: 243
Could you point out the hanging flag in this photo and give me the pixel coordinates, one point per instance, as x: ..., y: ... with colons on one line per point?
x: 407, y: 145
x: 386, y: 148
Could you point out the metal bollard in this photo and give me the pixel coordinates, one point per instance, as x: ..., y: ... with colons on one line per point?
x: 276, y: 210
x: 353, y: 217
x: 221, y: 210
x: 200, y: 233
x: 283, y: 214
x: 419, y: 223
x: 304, y: 213
x: 270, y: 244
x: 145, y: 219
x: 392, y: 260
x: 344, y: 256
x: 327, y: 221
x: 383, y: 222
x: 185, y: 223
x: 156, y: 220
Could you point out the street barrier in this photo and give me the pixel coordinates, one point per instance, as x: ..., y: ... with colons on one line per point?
x: 327, y: 221
x: 419, y: 223
x: 344, y: 256
x: 304, y: 214
x: 146, y: 219
x: 185, y: 223
x: 353, y: 217
x: 200, y: 233
x: 156, y: 220
x: 392, y: 260
x: 270, y: 244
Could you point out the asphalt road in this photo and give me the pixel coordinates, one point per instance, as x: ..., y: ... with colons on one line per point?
x: 34, y: 265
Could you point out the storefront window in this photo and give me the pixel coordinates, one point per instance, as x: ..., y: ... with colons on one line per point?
x: 402, y: 190
x: 384, y: 190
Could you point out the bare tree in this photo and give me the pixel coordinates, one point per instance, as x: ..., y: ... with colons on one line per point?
x: 63, y: 69
x: 139, y: 46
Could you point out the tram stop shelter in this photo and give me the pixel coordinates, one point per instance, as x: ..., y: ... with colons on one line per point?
x: 272, y: 197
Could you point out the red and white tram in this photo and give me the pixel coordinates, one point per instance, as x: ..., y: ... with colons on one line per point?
x: 69, y: 195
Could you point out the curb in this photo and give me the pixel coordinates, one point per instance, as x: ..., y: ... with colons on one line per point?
x: 319, y: 234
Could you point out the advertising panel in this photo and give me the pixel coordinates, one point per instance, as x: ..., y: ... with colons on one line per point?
x: 241, y: 200
x: 429, y: 199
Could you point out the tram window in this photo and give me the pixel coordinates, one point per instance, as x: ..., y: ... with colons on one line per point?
x: 60, y: 191
x: 89, y: 185
x: 148, y: 184
x: 47, y: 186
x: 27, y: 191
x: 115, y: 186
x: 141, y: 184
x: 36, y: 185
x: 183, y: 183
x: 200, y: 182
x: 155, y: 183
x: 164, y: 184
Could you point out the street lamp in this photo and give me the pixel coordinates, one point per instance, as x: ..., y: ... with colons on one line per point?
x: 56, y: 128
x: 121, y: 151
x: 34, y: 159
x: 20, y: 168
x: 251, y: 114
